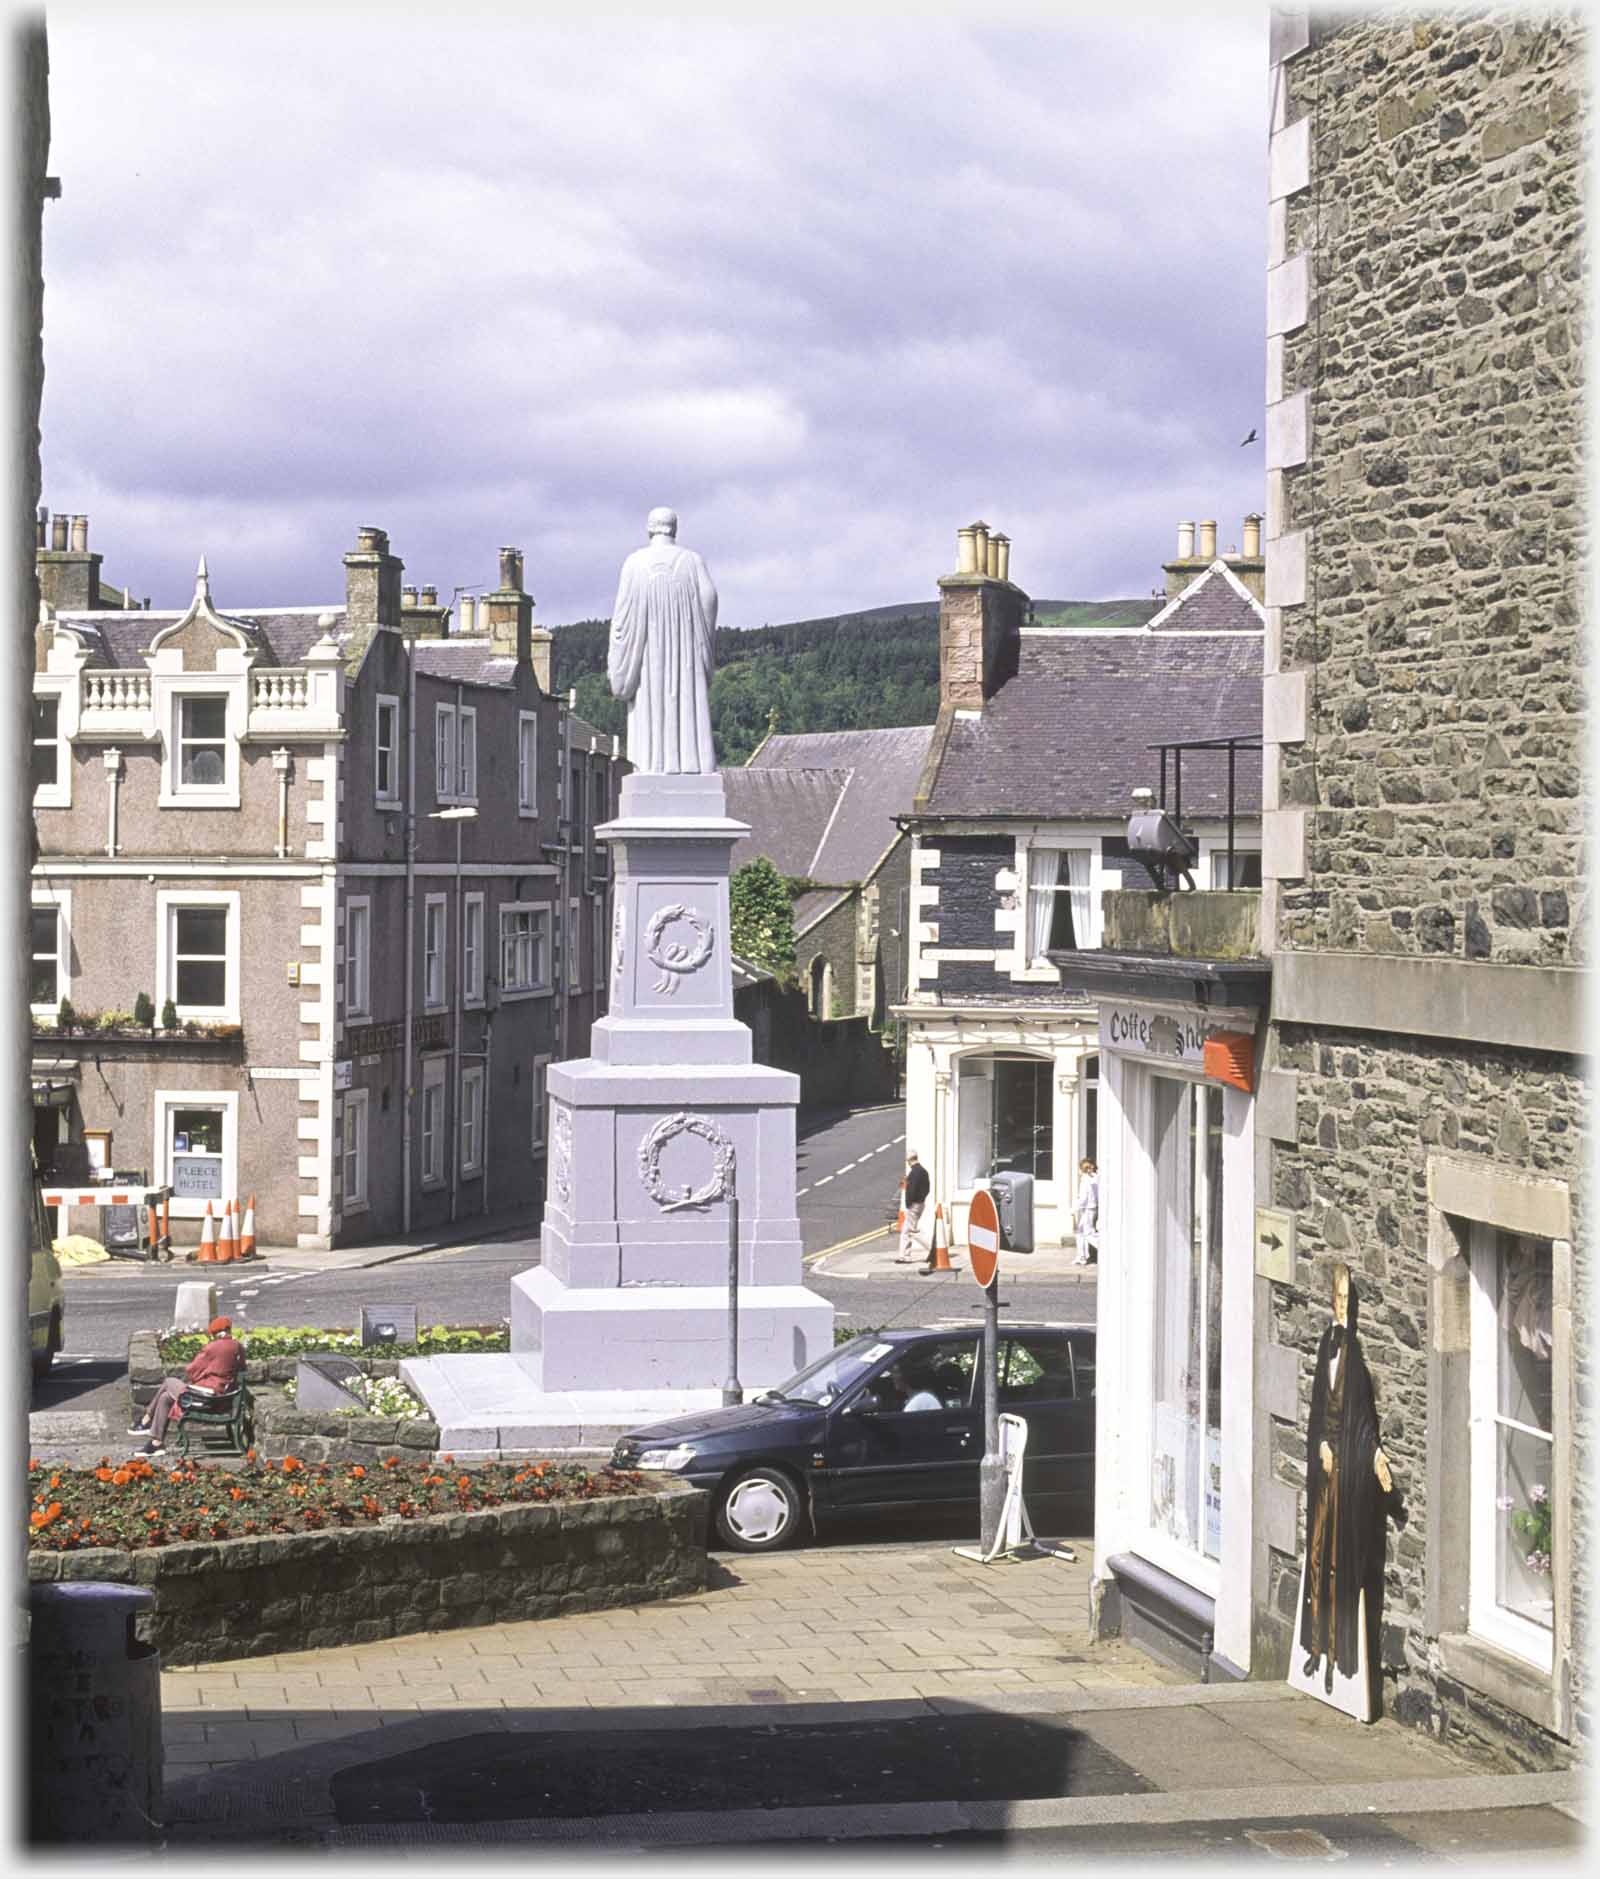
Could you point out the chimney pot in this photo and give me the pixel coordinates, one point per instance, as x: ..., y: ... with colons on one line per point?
x: 1208, y: 541
x: 408, y: 596
x: 469, y: 608
x: 1002, y: 547
x: 80, y: 534
x: 980, y: 545
x: 1252, y: 537
x: 508, y: 571
x: 42, y: 538
x: 58, y: 534
x: 372, y: 540
x: 1185, y: 541
x: 429, y: 596
x: 966, y: 551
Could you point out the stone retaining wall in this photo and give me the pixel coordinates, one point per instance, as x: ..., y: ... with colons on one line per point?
x: 310, y: 1591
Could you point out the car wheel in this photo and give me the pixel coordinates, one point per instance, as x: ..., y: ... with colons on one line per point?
x: 42, y: 1360
x: 760, y: 1511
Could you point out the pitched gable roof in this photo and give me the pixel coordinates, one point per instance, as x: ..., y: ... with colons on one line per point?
x: 285, y: 634
x: 877, y: 772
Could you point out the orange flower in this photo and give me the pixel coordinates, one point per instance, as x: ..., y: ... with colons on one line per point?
x: 102, y: 1474
x: 236, y: 1493
x: 358, y: 1473
x: 392, y: 1461
x: 291, y: 1465
x: 121, y: 1478
x: 249, y: 1454
x: 463, y: 1481
x: 55, y: 1480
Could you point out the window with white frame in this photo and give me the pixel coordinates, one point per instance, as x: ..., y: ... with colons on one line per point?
x: 353, y: 1150
x: 472, y: 1120
x: 525, y: 933
x: 49, y: 758
x: 432, y: 1118
x: 444, y: 752
x: 1245, y: 870
x: 433, y: 952
x: 540, y: 1066
x: 1005, y: 1116
x: 1510, y: 1599
x: 472, y: 949
x: 196, y: 1147
x: 527, y: 763
x: 47, y: 966
x: 386, y: 749
x: 203, y: 742
x: 358, y: 958
x: 571, y: 945
x: 198, y: 954
x: 467, y: 755
x: 1059, y: 915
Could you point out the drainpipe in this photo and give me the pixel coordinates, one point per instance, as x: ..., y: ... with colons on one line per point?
x: 113, y: 764
x: 411, y: 944
x: 564, y: 829
x: 461, y: 963
x: 280, y: 762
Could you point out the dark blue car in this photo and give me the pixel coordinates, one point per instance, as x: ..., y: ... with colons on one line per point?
x: 891, y: 1420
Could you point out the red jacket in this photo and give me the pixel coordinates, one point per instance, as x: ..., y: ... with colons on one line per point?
x: 218, y: 1365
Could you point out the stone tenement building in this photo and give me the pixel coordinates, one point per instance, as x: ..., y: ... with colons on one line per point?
x: 348, y: 856
x: 1425, y: 1115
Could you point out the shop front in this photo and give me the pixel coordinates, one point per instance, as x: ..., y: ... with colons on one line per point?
x: 1175, y: 1136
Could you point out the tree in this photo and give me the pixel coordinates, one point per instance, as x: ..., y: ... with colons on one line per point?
x: 763, y: 920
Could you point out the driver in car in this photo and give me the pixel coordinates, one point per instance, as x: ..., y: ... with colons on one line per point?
x: 924, y: 1393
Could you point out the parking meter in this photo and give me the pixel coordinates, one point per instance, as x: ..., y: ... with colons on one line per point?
x: 1013, y: 1199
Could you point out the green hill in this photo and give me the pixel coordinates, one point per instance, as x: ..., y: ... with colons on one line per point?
x: 852, y: 671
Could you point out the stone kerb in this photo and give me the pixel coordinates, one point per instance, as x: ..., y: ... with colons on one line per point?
x: 308, y: 1591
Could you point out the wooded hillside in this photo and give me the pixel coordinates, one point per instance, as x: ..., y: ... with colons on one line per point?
x: 855, y: 671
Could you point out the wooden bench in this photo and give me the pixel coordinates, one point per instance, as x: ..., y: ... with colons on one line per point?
x: 223, y: 1424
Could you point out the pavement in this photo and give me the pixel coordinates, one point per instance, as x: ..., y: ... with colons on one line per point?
x: 876, y: 1255
x: 843, y: 1694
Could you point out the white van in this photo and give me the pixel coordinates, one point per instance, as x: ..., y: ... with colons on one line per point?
x: 46, y: 1299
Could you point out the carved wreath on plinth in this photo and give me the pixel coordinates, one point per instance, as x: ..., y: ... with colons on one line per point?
x: 561, y: 1158
x: 676, y: 958
x: 667, y: 1129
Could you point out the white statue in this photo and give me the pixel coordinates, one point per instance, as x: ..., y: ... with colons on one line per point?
x: 660, y: 656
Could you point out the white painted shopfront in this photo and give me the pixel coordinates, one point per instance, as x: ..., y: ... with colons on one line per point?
x: 1174, y: 1436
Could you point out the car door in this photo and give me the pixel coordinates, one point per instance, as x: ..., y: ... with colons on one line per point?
x: 881, y: 1454
x: 1037, y: 1383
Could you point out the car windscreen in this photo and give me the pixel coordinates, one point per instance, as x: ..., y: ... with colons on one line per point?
x: 826, y: 1381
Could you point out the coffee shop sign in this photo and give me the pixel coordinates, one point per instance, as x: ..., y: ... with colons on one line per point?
x: 1152, y: 1033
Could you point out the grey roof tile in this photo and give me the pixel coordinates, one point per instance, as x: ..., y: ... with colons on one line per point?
x: 1211, y: 603
x: 787, y: 811
x: 286, y: 634
x: 881, y: 771
x: 1070, y: 734
x: 469, y: 661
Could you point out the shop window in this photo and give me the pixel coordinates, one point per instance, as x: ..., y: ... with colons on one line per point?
x: 1511, y: 1599
x: 195, y: 1146
x: 1186, y: 1457
x: 1005, y: 1117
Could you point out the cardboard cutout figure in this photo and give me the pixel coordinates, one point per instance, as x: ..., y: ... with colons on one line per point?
x: 1348, y: 1490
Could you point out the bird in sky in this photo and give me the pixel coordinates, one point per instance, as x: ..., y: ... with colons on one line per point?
x: 1248, y: 440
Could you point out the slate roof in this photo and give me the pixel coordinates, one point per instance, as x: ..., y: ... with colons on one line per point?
x: 471, y: 661
x: 787, y: 811
x: 1070, y: 734
x: 287, y: 633
x: 881, y: 769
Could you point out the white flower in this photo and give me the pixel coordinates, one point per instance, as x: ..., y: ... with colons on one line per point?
x: 1538, y: 1494
x: 1505, y: 1502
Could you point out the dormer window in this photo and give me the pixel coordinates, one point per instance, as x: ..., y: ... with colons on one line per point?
x: 202, y: 742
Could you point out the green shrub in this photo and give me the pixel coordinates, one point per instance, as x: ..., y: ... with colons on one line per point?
x: 169, y: 1016
x: 66, y: 1017
x: 144, y: 1011
x: 262, y: 1342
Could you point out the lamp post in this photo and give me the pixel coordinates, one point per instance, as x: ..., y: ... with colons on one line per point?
x: 463, y: 813
x: 732, y: 1389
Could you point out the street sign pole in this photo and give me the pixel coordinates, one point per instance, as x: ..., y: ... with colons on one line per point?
x: 992, y: 1469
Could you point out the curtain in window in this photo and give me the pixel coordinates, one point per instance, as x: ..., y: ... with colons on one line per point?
x: 1078, y: 892
x: 1044, y: 870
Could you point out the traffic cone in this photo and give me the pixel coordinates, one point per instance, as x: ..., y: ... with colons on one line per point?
x: 900, y: 1218
x: 155, y: 1243
x: 938, y: 1256
x: 225, y: 1248
x: 166, y: 1223
x: 247, y: 1236
x: 208, y: 1239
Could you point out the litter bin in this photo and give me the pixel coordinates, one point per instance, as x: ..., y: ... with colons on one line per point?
x: 94, y: 1716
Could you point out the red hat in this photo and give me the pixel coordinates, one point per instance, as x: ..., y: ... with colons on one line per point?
x: 218, y: 1325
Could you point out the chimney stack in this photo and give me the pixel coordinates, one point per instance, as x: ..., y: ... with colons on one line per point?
x: 506, y: 616
x: 69, y: 575
x: 1208, y: 541
x: 372, y: 591
x: 980, y: 620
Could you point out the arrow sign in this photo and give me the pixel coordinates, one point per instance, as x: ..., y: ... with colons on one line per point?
x: 983, y: 1238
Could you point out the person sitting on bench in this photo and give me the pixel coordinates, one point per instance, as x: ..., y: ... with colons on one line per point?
x: 214, y: 1370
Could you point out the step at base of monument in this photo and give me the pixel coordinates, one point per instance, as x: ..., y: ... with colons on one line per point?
x: 490, y: 1407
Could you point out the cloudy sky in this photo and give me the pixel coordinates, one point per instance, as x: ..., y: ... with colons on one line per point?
x: 829, y: 289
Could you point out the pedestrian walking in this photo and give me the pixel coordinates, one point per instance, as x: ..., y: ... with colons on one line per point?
x: 913, y: 1199
x: 1086, y: 1213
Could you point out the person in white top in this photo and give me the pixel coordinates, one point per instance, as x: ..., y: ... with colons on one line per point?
x: 1086, y: 1213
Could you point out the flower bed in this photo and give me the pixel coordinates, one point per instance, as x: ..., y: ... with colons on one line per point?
x: 269, y: 1344
x: 294, y: 1556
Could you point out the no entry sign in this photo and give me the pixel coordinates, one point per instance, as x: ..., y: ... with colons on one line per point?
x: 983, y: 1237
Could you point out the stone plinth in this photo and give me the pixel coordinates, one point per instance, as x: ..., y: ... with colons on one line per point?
x: 651, y: 1138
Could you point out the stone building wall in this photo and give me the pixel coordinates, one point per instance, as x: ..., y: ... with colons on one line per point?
x: 1425, y: 724
x: 1441, y: 482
